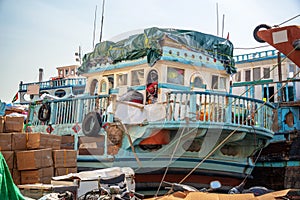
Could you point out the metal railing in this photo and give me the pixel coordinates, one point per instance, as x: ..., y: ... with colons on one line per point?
x: 70, y: 111
x: 206, y: 107
x: 285, y: 90
x: 212, y: 107
x: 55, y: 83
x: 256, y: 56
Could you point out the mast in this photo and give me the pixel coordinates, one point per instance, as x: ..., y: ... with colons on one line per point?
x: 217, y: 7
x: 94, y: 27
x: 101, y: 31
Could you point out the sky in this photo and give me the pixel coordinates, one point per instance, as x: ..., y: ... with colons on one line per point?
x: 46, y: 33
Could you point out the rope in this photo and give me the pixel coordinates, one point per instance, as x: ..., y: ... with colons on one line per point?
x: 287, y: 20
x: 171, y: 158
x: 218, y: 146
x: 249, y: 48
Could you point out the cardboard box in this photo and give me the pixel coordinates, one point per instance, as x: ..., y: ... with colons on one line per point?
x: 18, y: 141
x: 42, y: 175
x: 60, y: 171
x: 85, y: 139
x: 90, y: 149
x: 36, y: 191
x: 67, y: 142
x: 41, y: 141
x: 34, y: 159
x: 5, y: 141
x: 14, y: 124
x: 65, y: 158
x: 9, y: 158
x: 16, y: 175
x: 2, y: 121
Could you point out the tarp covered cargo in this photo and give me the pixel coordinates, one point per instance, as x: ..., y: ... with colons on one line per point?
x: 148, y: 44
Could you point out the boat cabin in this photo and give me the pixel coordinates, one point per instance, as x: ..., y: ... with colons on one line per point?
x: 180, y: 68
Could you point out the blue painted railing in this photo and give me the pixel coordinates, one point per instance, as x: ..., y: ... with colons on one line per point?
x: 70, y: 111
x: 269, y: 54
x: 207, y: 107
x: 285, y: 90
x: 54, y: 83
x: 219, y: 108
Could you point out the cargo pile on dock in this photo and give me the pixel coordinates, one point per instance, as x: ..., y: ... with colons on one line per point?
x: 35, y: 157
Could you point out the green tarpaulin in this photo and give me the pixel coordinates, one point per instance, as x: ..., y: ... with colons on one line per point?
x: 9, y: 191
x: 148, y: 44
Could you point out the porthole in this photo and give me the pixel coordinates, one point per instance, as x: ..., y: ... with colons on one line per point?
x: 170, y: 51
x: 60, y: 93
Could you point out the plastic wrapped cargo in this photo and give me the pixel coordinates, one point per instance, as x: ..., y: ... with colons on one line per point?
x: 148, y: 44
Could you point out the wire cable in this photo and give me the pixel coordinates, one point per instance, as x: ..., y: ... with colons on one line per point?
x: 287, y: 20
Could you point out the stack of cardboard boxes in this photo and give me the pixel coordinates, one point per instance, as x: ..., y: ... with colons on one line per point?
x: 34, y: 157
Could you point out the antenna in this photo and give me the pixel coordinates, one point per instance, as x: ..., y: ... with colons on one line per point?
x: 102, y: 21
x: 223, y: 25
x: 217, y: 7
x: 94, y: 27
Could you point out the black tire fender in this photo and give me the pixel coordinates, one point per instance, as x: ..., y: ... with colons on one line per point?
x: 44, y: 112
x: 91, y: 124
x: 296, y: 44
x: 258, y: 39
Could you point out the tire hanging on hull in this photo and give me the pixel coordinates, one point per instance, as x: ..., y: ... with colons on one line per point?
x: 91, y: 124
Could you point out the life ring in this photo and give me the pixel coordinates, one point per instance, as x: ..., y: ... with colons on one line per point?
x: 152, y: 88
x: 258, y: 39
x: 91, y: 124
x: 44, y: 112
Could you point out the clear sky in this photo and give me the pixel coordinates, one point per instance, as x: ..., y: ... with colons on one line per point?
x: 45, y: 33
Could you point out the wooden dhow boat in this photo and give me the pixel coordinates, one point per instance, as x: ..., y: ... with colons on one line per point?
x: 160, y: 102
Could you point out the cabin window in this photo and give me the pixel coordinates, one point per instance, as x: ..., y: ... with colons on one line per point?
x: 288, y: 93
x: 247, y: 75
x: 269, y: 92
x: 67, y: 72
x: 238, y: 76
x: 214, y: 82
x: 110, y: 80
x: 291, y: 70
x: 94, y: 87
x: 175, y: 75
x: 152, y: 76
x: 198, y: 82
x: 222, y: 83
x: 72, y: 72
x: 137, y: 77
x: 266, y: 72
x: 103, y: 87
x: 256, y: 74
x: 122, y: 79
